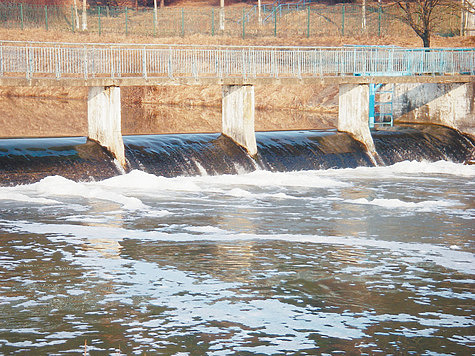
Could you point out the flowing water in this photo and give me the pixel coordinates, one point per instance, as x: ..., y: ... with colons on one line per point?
x: 357, y: 260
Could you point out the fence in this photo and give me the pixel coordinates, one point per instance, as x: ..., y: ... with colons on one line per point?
x: 302, y: 20
x: 46, y: 60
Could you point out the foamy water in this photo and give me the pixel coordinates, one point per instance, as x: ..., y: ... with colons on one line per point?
x: 365, y: 260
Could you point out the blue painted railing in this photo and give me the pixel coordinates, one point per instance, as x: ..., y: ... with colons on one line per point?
x: 73, y: 60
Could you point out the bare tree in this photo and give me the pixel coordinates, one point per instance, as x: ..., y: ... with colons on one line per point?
x: 419, y: 14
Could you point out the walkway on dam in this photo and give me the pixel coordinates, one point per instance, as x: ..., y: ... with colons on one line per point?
x: 73, y: 64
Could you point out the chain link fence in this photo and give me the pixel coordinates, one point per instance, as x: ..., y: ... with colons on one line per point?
x: 281, y: 21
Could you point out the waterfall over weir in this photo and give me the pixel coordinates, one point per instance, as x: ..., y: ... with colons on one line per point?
x: 25, y: 161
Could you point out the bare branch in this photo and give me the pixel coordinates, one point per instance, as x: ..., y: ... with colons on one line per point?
x: 419, y: 15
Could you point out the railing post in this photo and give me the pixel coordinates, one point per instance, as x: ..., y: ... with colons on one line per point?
x: 2, y: 69
x: 93, y: 62
x: 212, y: 21
x: 57, y: 59
x: 252, y: 61
x: 220, y: 62
x: 343, y: 20
x: 170, y: 64
x: 308, y: 21
x: 243, y: 59
x: 299, y: 64
x: 314, y: 62
x: 275, y: 22
x: 99, y: 19
x: 21, y: 16
x: 144, y: 63
x: 119, y: 67
x: 126, y: 21
x: 194, y: 62
x: 112, y: 62
x: 28, y: 63
x: 243, y: 23
x: 46, y: 17
x: 85, y: 64
x: 321, y: 62
x: 274, y: 64
x: 182, y: 22
x: 379, y: 20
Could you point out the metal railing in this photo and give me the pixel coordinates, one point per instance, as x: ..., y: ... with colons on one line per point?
x: 84, y: 61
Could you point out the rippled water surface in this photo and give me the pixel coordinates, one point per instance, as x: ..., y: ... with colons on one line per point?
x: 356, y: 261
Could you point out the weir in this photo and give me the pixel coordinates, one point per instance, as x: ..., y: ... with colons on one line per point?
x: 26, y: 161
x: 431, y: 85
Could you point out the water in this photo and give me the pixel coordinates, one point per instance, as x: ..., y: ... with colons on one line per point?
x: 367, y: 260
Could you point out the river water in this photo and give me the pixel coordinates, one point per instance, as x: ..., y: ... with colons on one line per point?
x: 368, y: 260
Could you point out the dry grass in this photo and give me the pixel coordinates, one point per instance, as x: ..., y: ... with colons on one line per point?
x: 408, y: 40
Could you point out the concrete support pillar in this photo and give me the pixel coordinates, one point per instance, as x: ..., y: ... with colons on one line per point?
x: 238, y: 116
x: 451, y: 105
x: 104, y: 121
x: 353, y: 113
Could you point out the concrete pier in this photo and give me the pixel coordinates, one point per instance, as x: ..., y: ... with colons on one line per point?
x: 238, y: 116
x: 353, y: 113
x: 104, y: 120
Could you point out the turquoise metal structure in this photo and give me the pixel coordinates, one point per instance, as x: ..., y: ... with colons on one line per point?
x: 381, y: 98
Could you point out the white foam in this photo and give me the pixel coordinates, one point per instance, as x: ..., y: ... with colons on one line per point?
x: 60, y: 186
x: 428, y: 205
x: 19, y: 197
x: 307, y: 179
x: 206, y: 229
x: 150, y: 213
x: 141, y: 181
x: 240, y: 193
x: 414, y: 169
x: 439, y: 167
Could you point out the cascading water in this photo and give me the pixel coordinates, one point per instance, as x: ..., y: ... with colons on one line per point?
x: 29, y: 160
x: 423, y: 142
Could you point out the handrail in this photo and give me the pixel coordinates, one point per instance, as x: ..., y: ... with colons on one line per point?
x: 167, y: 45
x: 65, y: 61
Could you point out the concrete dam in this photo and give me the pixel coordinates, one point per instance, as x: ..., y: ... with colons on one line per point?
x: 428, y: 86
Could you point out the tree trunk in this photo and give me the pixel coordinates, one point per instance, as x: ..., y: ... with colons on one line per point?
x: 426, y: 40
x: 221, y: 15
x: 155, y: 12
x: 84, y: 16
x: 76, y: 14
x: 259, y: 12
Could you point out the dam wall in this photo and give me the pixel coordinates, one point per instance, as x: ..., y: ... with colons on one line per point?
x: 448, y: 104
x: 105, y: 68
x: 451, y: 105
